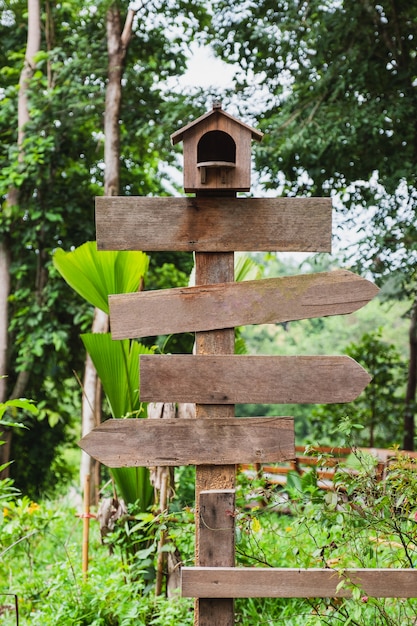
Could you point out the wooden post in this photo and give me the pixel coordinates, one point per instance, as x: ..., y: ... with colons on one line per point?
x: 210, y: 268
x: 216, y: 540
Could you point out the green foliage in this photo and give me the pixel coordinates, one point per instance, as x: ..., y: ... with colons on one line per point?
x: 363, y: 522
x: 379, y: 408
x: 94, y: 275
x: 40, y: 561
x: 8, y: 412
x: 338, y: 111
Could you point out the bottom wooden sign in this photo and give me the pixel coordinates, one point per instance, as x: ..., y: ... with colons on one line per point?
x: 221, y: 441
x: 252, y: 582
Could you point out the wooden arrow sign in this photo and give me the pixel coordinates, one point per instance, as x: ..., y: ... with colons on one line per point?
x: 214, y: 224
x: 286, y: 582
x: 230, y: 379
x: 227, y: 305
x: 150, y: 442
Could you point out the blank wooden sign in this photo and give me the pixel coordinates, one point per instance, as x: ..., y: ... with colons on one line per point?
x: 214, y: 224
x: 234, y: 582
x: 230, y: 379
x: 149, y: 442
x: 227, y: 305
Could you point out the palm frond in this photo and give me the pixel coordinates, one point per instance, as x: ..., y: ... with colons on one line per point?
x: 246, y: 268
x: 134, y: 485
x: 95, y: 274
x: 117, y: 365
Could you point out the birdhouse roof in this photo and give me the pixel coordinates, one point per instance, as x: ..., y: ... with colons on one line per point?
x: 216, y: 111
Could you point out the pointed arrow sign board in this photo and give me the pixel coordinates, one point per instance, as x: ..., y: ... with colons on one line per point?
x: 230, y: 379
x: 149, y: 442
x: 227, y: 305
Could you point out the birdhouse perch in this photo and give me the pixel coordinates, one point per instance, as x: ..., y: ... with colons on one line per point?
x: 217, y: 152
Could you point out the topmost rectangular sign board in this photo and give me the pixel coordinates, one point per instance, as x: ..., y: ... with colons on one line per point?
x: 214, y: 224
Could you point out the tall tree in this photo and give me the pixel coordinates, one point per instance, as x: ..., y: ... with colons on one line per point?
x: 336, y: 93
x: 11, y: 204
x: 117, y: 44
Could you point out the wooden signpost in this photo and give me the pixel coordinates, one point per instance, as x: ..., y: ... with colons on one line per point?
x: 214, y: 224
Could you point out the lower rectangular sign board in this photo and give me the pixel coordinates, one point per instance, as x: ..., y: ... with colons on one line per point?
x: 252, y: 582
x: 226, y: 305
x: 217, y: 441
x: 214, y: 224
x: 237, y: 379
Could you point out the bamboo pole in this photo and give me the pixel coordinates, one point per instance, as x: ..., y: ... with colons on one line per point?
x: 161, y: 554
x: 86, y: 525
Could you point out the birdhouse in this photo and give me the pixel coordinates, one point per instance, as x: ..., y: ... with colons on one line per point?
x: 217, y: 152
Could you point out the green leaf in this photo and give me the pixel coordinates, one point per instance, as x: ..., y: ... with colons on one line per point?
x: 134, y: 485
x: 95, y: 274
x: 117, y: 364
x: 18, y: 403
x: 246, y: 268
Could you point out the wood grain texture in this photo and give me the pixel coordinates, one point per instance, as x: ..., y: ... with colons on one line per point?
x: 214, y: 224
x: 226, y: 305
x: 173, y: 442
x: 229, y: 582
x: 230, y: 379
x: 215, y: 537
x: 216, y: 528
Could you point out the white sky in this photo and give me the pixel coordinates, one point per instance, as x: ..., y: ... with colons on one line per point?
x: 205, y: 70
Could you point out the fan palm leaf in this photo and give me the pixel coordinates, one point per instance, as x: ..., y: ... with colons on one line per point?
x: 95, y: 274
x: 117, y: 364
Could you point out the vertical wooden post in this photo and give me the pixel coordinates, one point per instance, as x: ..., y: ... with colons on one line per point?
x: 216, y: 540
x: 210, y: 268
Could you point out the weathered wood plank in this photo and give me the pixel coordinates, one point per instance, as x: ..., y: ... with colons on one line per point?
x: 230, y: 379
x: 216, y: 528
x: 214, y: 224
x: 226, y: 305
x: 217, y: 441
x: 230, y: 582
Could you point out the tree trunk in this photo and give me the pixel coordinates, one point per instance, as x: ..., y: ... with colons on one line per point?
x: 4, y: 317
x: 32, y: 48
x: 410, y: 396
x: 5, y: 434
x: 91, y: 406
x: 117, y: 43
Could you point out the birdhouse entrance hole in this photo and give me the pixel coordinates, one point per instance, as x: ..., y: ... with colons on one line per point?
x: 216, y: 149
